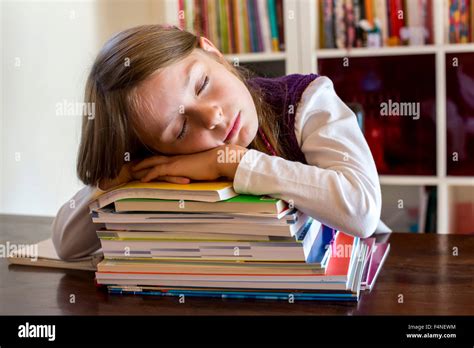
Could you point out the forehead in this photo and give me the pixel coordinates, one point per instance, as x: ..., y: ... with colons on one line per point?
x: 163, y: 91
x: 167, y: 85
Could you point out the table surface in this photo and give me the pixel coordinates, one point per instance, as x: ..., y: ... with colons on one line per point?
x: 424, y: 274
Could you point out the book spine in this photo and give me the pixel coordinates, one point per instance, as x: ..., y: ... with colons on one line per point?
x: 258, y: 28
x: 223, y: 27
x: 469, y: 4
x: 357, y: 19
x: 216, y: 23
x: 241, y: 19
x: 280, y: 24
x: 246, y: 26
x: 181, y: 19
x: 396, y: 22
x: 464, y: 22
x: 273, y: 24
x: 350, y: 25
x: 265, y: 26
x: 205, y: 19
x: 453, y: 21
x: 380, y: 14
x: 328, y: 20
x: 189, y: 15
x: 230, y: 26
x: 369, y: 11
x: 428, y: 22
x: 197, y: 18
x: 340, y: 27
x: 237, y: 32
x: 472, y: 21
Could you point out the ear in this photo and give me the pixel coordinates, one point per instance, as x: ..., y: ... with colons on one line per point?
x: 208, y: 46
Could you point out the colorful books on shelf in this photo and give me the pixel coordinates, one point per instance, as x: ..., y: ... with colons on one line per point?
x: 375, y: 23
x: 460, y: 24
x: 236, y: 26
x: 273, y: 252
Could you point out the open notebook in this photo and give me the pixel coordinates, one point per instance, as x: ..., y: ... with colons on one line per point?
x: 45, y: 256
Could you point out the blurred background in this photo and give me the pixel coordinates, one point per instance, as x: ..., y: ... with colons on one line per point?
x: 417, y: 56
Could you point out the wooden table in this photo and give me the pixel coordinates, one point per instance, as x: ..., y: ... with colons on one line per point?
x: 421, y: 276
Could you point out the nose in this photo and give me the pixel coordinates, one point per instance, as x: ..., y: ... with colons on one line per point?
x: 209, y: 116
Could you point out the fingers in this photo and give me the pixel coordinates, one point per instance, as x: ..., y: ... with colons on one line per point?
x: 150, y: 162
x: 176, y: 179
x: 154, y: 173
x: 138, y: 175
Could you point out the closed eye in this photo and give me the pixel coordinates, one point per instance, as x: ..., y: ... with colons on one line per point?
x: 183, y: 130
x: 205, y: 83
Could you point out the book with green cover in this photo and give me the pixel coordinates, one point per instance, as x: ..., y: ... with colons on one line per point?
x: 239, y: 204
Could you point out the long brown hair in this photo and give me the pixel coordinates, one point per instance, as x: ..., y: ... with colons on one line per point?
x: 109, y: 138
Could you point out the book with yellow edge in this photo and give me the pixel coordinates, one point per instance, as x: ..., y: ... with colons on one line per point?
x: 209, y: 191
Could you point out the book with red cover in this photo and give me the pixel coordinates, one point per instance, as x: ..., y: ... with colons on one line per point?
x: 396, y: 23
x: 341, y: 251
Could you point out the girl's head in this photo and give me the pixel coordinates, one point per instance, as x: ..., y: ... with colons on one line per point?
x: 190, y: 105
x: 161, y: 90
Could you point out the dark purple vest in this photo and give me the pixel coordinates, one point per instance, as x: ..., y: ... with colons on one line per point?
x: 283, y: 94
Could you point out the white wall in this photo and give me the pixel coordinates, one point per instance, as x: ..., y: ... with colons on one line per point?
x: 1, y: 106
x: 55, y: 44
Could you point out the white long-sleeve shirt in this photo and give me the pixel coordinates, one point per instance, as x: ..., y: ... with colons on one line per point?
x: 338, y: 187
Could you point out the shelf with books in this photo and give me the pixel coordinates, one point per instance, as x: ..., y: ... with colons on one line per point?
x: 374, y: 23
x: 245, y: 31
x: 368, y: 27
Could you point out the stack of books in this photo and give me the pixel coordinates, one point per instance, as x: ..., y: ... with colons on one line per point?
x: 204, y: 239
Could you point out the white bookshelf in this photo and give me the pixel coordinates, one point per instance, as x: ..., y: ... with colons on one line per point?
x: 301, y: 56
x: 445, y: 184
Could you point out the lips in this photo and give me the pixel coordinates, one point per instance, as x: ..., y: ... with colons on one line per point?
x: 234, y: 128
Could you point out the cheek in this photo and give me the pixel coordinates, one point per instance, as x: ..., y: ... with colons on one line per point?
x: 201, y: 142
x: 250, y: 128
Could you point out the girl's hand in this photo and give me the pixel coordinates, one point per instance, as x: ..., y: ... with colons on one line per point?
x: 126, y: 175
x: 206, y: 165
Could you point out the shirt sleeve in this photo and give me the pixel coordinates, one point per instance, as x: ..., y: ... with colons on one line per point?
x: 339, y: 186
x: 73, y: 232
